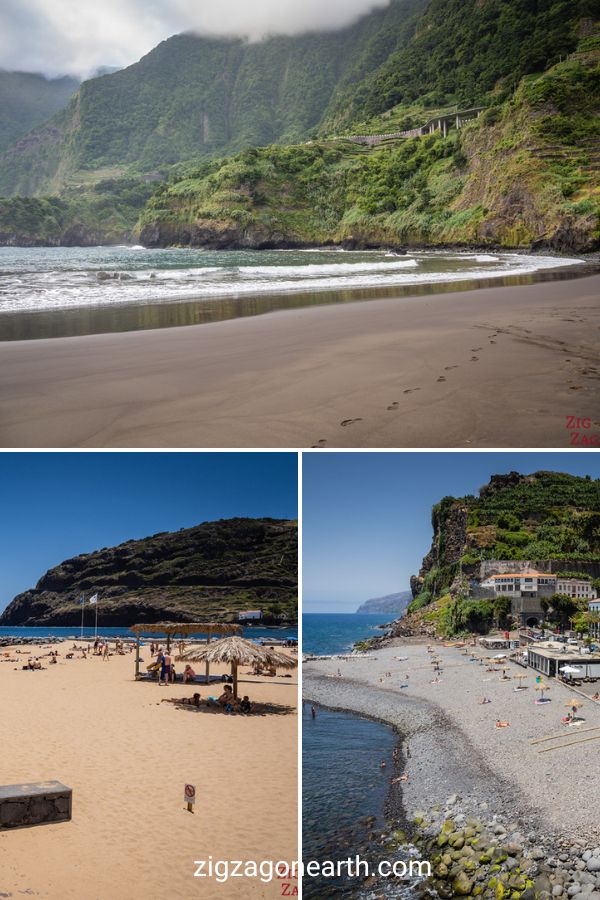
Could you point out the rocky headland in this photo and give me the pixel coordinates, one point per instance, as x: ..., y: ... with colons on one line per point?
x: 211, y: 571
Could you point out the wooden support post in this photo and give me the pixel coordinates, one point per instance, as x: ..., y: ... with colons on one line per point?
x: 235, y: 679
x: 137, y: 656
x: 207, y: 670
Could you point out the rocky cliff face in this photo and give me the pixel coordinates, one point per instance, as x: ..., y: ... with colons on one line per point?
x: 449, y: 522
x: 210, y: 571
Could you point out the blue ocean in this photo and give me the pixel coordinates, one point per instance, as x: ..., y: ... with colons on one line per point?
x: 325, y: 633
x: 72, y: 631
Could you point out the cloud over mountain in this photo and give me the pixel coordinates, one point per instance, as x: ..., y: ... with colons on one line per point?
x: 67, y: 36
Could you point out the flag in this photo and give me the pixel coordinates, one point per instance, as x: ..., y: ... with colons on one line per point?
x: 81, y: 600
x: 94, y: 599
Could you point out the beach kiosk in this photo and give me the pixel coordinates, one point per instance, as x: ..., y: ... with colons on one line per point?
x: 171, y: 630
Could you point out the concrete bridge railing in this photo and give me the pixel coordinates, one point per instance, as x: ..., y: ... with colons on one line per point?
x: 441, y: 123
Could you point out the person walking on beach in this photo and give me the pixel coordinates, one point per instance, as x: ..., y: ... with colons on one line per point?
x: 313, y: 712
x: 105, y: 653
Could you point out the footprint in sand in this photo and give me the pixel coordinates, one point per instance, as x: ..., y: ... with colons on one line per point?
x: 476, y: 349
x: 441, y: 378
x: 347, y: 422
x: 474, y: 359
x: 449, y: 368
x: 576, y: 387
x: 493, y: 342
x: 411, y: 390
x: 320, y: 443
x: 394, y: 405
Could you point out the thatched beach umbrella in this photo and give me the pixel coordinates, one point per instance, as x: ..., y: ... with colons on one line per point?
x: 520, y: 686
x: 236, y: 651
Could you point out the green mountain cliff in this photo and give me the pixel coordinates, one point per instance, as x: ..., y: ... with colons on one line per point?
x: 27, y: 100
x: 211, y: 571
x: 215, y: 121
x: 549, y: 520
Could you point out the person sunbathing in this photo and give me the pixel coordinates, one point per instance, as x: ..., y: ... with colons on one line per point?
x: 485, y: 700
x: 186, y: 701
x: 500, y: 724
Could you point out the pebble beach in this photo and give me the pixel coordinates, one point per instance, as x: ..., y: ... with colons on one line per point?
x: 540, y: 799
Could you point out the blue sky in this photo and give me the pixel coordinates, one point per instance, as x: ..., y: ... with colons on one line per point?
x: 367, y: 516
x: 57, y: 505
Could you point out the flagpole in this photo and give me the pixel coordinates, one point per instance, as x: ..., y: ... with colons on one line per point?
x: 96, y: 630
x: 82, y: 601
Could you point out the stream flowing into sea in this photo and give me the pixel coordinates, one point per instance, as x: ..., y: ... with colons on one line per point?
x: 46, y: 292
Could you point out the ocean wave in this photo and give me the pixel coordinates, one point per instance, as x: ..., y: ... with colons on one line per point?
x: 64, y: 288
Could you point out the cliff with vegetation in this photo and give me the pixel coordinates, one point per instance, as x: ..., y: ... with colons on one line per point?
x: 550, y: 520
x: 195, y: 96
x: 250, y: 142
x: 209, y: 572
x: 526, y: 173
x: 27, y: 100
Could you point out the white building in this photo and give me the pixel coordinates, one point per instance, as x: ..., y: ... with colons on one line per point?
x: 576, y: 587
x: 249, y: 614
x: 519, y: 584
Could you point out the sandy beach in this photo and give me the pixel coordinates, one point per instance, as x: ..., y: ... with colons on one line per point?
x: 454, y: 746
x: 127, y: 756
x: 424, y: 371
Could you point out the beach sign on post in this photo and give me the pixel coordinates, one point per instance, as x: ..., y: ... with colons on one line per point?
x: 189, y: 796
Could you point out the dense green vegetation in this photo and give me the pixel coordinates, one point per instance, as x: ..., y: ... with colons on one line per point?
x: 541, y: 146
x: 465, y: 49
x: 526, y: 173
x: 26, y: 100
x: 198, y: 96
x: 539, y: 517
x: 105, y: 212
x: 547, y: 516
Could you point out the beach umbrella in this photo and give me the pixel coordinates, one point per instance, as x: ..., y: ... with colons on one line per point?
x: 541, y: 687
x: 500, y: 656
x: 570, y: 670
x: 236, y: 651
x: 519, y: 678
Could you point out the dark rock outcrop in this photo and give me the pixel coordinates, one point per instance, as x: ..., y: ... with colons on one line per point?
x: 212, y: 570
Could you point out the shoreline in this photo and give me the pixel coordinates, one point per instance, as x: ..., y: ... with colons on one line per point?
x: 482, y: 805
x: 124, y: 317
x: 454, y: 747
x: 430, y: 372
